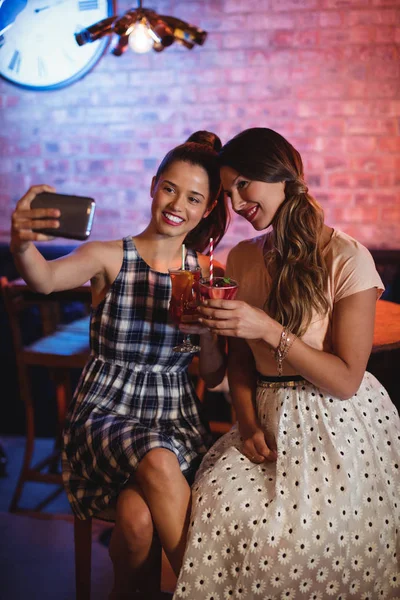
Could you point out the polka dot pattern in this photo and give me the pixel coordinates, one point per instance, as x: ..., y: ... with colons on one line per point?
x: 322, y: 522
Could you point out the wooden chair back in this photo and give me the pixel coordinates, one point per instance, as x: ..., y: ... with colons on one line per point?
x: 57, y: 346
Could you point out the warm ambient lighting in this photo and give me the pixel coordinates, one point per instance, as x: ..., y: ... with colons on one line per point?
x: 140, y: 40
x: 143, y: 30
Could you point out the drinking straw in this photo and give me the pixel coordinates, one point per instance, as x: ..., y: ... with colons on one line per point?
x: 211, y: 262
x: 183, y: 257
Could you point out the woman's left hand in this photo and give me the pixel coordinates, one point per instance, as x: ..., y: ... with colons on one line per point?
x: 233, y: 318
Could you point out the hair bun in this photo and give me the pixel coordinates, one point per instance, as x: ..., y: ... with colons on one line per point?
x: 206, y: 138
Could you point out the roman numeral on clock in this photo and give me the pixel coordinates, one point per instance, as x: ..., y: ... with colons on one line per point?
x: 41, y: 67
x: 88, y: 4
x: 15, y: 62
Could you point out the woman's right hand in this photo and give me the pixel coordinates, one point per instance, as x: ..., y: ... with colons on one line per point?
x: 234, y: 318
x: 24, y: 218
x: 255, y: 445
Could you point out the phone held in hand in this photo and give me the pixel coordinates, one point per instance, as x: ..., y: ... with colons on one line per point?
x: 76, y: 214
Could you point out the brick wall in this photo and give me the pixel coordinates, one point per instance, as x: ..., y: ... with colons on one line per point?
x: 324, y: 73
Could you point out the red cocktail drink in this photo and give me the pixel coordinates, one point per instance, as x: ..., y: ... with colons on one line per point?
x: 223, y: 287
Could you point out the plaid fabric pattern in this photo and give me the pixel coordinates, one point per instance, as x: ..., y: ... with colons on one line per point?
x: 134, y: 394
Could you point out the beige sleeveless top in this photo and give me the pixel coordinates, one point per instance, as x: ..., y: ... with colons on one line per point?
x: 351, y: 269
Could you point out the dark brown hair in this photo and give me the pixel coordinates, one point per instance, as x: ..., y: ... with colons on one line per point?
x: 295, y: 262
x: 201, y: 149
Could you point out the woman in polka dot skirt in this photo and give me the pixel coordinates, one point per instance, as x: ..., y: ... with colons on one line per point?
x: 301, y: 498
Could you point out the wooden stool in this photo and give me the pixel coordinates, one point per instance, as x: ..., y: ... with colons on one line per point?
x: 62, y: 348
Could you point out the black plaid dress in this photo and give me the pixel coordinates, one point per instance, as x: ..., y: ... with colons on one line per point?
x: 134, y: 394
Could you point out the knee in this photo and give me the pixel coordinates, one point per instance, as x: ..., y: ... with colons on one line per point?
x: 134, y: 528
x: 138, y: 529
x: 158, y: 468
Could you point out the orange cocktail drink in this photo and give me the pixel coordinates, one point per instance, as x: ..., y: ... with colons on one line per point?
x: 184, y: 301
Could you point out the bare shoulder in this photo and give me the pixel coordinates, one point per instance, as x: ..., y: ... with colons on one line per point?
x: 100, y: 250
x: 204, y: 262
x: 107, y: 256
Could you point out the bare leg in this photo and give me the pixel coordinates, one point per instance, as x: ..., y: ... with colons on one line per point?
x: 134, y: 549
x: 168, y: 496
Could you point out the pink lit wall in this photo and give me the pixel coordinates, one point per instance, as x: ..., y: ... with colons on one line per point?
x: 324, y: 73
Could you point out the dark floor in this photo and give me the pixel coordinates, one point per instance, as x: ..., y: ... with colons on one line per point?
x: 33, y: 492
x: 36, y: 550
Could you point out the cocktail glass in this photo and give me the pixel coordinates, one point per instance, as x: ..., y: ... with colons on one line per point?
x: 184, y: 303
x: 223, y: 287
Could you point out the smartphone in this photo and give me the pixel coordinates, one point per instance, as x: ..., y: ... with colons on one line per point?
x: 76, y: 214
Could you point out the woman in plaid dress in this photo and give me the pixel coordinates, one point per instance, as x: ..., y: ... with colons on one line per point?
x: 135, y: 433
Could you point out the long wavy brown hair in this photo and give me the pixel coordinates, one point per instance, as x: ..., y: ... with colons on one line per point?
x: 294, y: 259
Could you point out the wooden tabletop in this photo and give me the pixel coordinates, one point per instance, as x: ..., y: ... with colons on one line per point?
x: 82, y: 292
x: 387, y: 320
x: 387, y: 326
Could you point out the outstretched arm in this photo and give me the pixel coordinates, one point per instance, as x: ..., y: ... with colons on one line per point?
x: 41, y: 275
x: 340, y: 372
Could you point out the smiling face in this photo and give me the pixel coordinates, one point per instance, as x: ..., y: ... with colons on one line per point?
x: 256, y: 201
x: 180, y: 199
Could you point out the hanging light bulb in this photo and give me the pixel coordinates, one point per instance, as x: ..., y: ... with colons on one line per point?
x: 140, y: 39
x: 142, y: 29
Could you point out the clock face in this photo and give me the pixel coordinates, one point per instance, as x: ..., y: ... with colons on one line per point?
x: 38, y: 49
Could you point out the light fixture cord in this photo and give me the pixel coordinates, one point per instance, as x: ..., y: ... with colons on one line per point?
x: 140, y: 4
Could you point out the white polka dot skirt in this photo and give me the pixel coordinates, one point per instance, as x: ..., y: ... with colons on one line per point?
x: 322, y: 522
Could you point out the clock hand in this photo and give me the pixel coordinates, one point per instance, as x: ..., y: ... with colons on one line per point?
x: 51, y: 6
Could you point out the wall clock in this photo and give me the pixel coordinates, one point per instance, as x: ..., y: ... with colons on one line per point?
x: 38, y: 49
